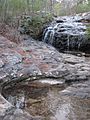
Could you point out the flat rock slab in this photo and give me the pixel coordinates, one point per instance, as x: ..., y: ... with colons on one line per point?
x: 32, y: 60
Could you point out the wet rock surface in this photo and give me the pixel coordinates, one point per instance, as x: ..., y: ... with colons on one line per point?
x: 5, y: 107
x: 19, y: 114
x: 80, y: 90
x: 69, y: 33
x: 52, y: 101
x: 33, y: 60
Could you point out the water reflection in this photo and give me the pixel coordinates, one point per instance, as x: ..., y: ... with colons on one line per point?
x: 48, y: 101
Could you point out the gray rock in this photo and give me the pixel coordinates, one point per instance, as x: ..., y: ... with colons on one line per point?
x: 80, y: 90
x: 21, y: 115
x: 1, y: 63
x: 14, y: 59
x: 5, y: 106
x: 86, y: 16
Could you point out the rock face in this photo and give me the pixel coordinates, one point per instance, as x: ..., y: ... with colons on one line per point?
x: 86, y: 17
x: 69, y: 33
x: 80, y: 89
x: 33, y: 60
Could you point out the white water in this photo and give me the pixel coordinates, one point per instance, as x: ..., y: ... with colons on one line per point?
x: 49, y: 34
x: 69, y: 27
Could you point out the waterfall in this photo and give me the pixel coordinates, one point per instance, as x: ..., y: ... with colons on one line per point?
x: 68, y: 42
x: 66, y: 35
x: 49, y: 34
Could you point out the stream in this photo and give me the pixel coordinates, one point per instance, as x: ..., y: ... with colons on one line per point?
x: 52, y: 99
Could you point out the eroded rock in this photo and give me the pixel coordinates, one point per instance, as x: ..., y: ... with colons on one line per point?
x: 34, y: 60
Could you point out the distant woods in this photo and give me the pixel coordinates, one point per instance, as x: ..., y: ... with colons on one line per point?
x: 15, y: 8
x: 70, y: 7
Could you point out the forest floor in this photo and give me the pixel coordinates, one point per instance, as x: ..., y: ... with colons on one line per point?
x: 11, y: 33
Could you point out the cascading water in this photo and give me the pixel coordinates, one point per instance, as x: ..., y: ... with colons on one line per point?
x: 66, y: 34
x: 68, y: 42
x: 49, y: 34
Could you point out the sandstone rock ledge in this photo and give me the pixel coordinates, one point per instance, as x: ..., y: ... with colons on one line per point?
x: 33, y: 60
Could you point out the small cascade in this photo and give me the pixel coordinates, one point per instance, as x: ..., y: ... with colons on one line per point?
x: 69, y: 33
x: 49, y: 34
x: 68, y: 42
